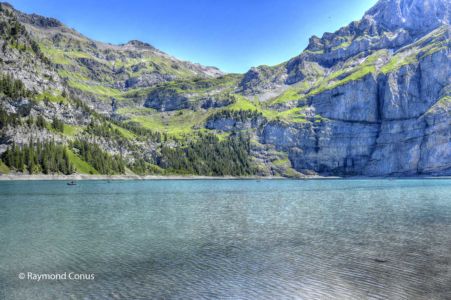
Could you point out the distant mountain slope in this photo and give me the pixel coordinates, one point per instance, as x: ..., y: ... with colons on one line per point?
x: 57, y: 108
x: 102, y: 69
x: 390, y: 24
x: 372, y: 98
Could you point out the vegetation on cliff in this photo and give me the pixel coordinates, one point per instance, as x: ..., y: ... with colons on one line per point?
x: 34, y: 158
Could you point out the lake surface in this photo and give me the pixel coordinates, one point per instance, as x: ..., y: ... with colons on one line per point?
x: 227, y: 239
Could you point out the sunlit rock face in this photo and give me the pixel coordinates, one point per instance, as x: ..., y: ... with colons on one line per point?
x: 396, y: 119
x: 415, y: 16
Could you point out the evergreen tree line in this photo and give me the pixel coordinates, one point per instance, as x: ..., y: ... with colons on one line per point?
x: 57, y: 124
x: 13, y: 88
x: 142, y: 132
x: 47, y: 158
x: 79, y: 103
x: 15, y: 120
x: 12, y: 30
x: 39, y: 121
x: 100, y: 160
x: 239, y: 115
x: 106, y: 130
x: 142, y: 167
x: 209, y: 156
x: 8, y: 119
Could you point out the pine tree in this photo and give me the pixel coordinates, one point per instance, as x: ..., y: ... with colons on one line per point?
x: 47, y: 157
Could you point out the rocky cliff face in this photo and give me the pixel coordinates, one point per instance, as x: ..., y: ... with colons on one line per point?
x: 418, y: 17
x: 390, y: 124
x: 387, y: 115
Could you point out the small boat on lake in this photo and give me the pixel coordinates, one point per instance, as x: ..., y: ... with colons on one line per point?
x: 72, y: 183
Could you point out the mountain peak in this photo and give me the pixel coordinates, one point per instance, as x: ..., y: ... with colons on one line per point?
x: 415, y: 16
x: 140, y: 44
x: 40, y: 21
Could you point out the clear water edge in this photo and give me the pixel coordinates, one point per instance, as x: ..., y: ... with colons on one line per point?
x: 228, y: 239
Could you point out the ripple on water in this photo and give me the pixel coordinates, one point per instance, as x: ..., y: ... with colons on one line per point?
x: 362, y: 239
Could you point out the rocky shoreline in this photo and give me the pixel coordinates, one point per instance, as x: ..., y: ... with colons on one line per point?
x: 17, y: 177
x: 6, y: 177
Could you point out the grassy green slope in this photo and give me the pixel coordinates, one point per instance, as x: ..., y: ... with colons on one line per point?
x: 3, y: 168
x: 80, y: 165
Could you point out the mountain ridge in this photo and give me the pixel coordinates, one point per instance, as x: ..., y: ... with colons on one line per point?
x: 49, y: 22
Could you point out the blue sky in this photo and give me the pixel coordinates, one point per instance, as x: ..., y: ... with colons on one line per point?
x: 232, y: 35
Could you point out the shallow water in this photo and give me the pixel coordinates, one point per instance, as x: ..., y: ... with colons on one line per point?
x: 227, y: 239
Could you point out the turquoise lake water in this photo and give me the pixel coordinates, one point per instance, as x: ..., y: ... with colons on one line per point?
x: 227, y: 239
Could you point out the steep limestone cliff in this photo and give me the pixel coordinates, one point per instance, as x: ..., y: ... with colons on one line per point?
x: 385, y: 104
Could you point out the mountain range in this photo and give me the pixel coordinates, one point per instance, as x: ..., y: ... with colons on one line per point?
x: 371, y: 99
